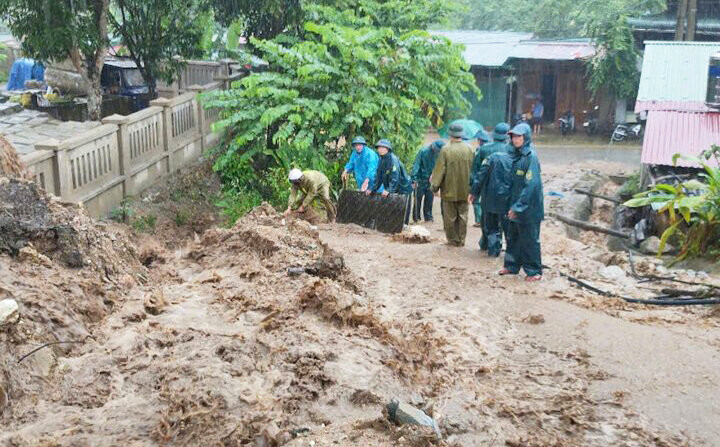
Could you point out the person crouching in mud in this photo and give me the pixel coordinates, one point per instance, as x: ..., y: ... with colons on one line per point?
x: 526, y: 208
x: 307, y: 186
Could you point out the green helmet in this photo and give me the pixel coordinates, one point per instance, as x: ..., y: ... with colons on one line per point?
x: 359, y: 140
x: 384, y: 143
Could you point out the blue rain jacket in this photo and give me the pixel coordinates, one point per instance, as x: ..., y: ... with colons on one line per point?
x: 363, y: 165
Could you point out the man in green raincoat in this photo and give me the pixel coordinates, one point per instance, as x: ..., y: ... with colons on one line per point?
x: 306, y: 187
x: 451, y: 177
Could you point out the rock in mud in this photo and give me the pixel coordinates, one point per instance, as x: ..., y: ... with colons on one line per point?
x: 30, y: 255
x: 155, y: 302
x: 403, y: 414
x: 612, y: 273
x: 651, y: 246
x: 9, y: 312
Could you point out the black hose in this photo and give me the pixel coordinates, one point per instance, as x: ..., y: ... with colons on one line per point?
x: 658, y: 301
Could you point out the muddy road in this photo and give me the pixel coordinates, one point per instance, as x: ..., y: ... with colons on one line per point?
x: 212, y: 342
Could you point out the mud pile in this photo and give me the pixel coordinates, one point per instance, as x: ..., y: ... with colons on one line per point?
x: 66, y: 273
x: 223, y: 347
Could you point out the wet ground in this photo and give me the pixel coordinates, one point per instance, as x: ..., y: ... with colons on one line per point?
x: 629, y: 156
x: 214, y: 343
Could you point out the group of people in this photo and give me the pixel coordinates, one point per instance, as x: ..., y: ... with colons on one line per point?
x: 500, y: 180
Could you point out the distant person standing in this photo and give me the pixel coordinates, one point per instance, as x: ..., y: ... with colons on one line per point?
x: 451, y: 177
x: 538, y: 110
x: 483, y: 139
x: 499, y: 144
x: 422, y: 168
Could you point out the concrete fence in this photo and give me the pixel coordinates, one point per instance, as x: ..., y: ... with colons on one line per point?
x: 126, y: 154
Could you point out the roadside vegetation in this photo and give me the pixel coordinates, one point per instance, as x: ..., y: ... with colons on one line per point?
x: 693, y: 208
x: 370, y: 71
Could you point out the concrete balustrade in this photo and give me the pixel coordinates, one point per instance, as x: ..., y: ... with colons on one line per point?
x: 126, y: 154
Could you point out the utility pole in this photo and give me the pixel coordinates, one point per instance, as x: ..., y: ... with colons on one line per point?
x: 681, y: 16
x: 686, y: 24
x: 692, y: 20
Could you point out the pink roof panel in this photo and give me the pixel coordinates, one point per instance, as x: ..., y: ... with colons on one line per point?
x: 670, y: 132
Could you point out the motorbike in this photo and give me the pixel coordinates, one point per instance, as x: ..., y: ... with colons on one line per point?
x: 567, y: 122
x: 591, y: 122
x: 624, y: 132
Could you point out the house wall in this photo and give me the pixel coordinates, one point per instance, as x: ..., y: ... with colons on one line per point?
x: 492, y: 108
x: 571, y: 90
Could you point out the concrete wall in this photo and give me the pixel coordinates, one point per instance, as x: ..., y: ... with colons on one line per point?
x: 126, y: 154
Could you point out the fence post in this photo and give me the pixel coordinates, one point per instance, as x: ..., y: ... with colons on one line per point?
x: 167, y: 126
x: 197, y: 89
x: 63, y: 176
x: 124, y: 146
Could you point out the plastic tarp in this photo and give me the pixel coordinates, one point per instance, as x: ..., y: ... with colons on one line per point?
x: 25, y: 70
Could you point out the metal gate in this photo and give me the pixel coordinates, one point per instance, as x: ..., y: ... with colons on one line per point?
x: 384, y: 214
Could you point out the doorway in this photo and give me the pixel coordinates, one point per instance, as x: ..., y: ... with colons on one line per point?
x: 548, y: 96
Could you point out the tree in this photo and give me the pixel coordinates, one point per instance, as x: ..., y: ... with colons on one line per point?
x: 155, y: 31
x: 340, y: 81
x: 55, y: 30
x: 262, y: 19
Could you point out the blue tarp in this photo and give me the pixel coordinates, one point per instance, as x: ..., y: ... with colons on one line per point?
x: 24, y: 70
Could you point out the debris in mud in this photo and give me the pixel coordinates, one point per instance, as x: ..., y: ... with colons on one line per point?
x: 403, y: 414
x: 534, y: 319
x: 330, y: 265
x: 415, y: 234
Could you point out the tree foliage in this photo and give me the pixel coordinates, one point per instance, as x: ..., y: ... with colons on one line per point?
x: 156, y: 31
x: 55, y: 30
x: 262, y: 19
x: 344, y: 78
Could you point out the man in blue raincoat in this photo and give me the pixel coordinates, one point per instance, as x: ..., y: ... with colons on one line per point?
x: 526, y: 208
x: 421, y: 172
x: 363, y: 164
x: 499, y: 144
x: 483, y: 139
x: 492, y: 183
x: 391, y: 176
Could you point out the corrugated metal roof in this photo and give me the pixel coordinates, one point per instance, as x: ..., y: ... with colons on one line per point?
x: 668, y: 23
x: 555, y: 50
x: 675, y: 72
x: 485, y: 48
x: 670, y: 132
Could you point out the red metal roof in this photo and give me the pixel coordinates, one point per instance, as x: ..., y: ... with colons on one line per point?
x: 680, y: 106
x: 671, y: 131
x: 557, y: 51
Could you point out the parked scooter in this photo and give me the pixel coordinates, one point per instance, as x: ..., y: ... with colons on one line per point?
x: 627, y: 132
x: 567, y: 123
x: 591, y: 122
